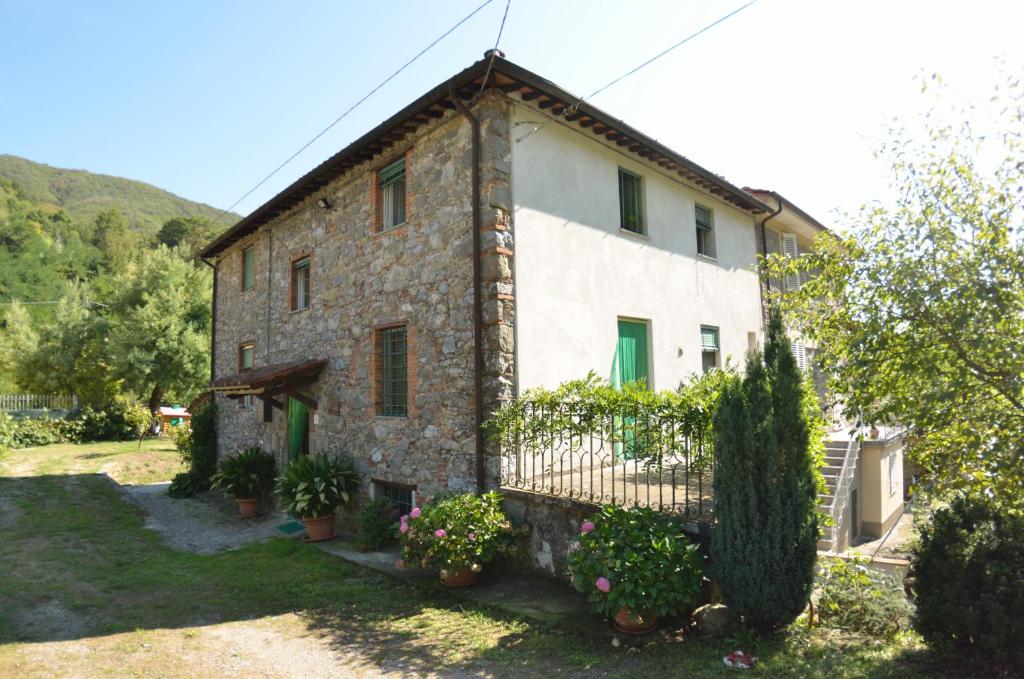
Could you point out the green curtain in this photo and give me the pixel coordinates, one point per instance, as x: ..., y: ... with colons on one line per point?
x: 630, y: 366
x: 298, y: 420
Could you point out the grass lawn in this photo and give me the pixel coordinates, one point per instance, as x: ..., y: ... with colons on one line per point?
x: 87, y: 591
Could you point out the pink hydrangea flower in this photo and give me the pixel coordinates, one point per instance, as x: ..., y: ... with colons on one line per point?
x: 405, y: 518
x: 471, y: 536
x: 586, y: 527
x: 603, y: 584
x: 404, y: 528
x: 439, y: 533
x: 415, y: 513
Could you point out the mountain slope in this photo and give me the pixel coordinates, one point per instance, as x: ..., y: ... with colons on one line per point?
x: 83, y: 195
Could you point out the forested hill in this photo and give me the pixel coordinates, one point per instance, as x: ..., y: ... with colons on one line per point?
x: 84, y: 195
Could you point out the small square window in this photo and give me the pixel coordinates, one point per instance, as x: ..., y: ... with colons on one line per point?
x: 630, y: 211
x: 248, y: 268
x: 401, y: 496
x: 300, y: 284
x: 391, y: 184
x: 709, y: 349
x: 705, y: 231
x: 246, y: 354
x: 393, y: 372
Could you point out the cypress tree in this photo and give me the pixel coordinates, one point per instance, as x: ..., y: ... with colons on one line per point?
x: 764, y: 544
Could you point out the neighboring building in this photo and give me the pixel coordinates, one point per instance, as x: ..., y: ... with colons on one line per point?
x: 355, y: 312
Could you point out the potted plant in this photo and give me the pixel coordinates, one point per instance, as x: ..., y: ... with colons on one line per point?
x: 636, y: 565
x: 378, y: 524
x: 247, y: 476
x: 312, y: 487
x: 457, y: 535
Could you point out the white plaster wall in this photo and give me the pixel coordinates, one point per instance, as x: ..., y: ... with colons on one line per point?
x: 577, y: 273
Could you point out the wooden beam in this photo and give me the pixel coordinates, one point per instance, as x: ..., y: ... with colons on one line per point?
x: 587, y: 122
x: 530, y: 95
x: 271, y: 400
x: 302, y: 398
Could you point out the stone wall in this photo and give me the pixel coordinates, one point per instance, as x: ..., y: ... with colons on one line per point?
x: 419, y: 274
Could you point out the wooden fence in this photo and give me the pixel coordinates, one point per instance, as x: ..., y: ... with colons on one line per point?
x: 36, y: 402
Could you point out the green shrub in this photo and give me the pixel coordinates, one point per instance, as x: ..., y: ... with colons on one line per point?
x: 30, y: 432
x: 378, y: 524
x: 639, y: 559
x: 313, y: 486
x: 247, y: 475
x: 968, y: 567
x: 456, y: 532
x: 854, y: 597
x: 764, y: 545
x: 198, y: 449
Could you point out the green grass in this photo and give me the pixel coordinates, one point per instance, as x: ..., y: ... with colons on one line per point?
x: 88, y: 591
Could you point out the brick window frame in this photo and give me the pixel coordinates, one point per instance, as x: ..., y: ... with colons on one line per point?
x: 293, y: 279
x: 377, y: 370
x: 376, y: 207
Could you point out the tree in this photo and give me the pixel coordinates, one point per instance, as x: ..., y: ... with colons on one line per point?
x: 115, y: 238
x: 764, y: 545
x: 159, y: 326
x: 918, y: 315
x: 188, y: 233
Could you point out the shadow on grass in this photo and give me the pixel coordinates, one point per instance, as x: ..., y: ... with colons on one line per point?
x: 78, y: 563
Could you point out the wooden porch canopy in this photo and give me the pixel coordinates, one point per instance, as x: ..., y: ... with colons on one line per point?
x: 273, y: 380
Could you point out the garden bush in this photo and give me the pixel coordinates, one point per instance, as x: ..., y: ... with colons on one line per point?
x: 968, y: 568
x: 638, y: 559
x: 852, y: 596
x: 198, y: 449
x: 119, y: 420
x: 378, y: 524
x: 456, y: 532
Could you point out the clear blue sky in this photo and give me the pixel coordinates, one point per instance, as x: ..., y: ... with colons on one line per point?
x: 205, y: 98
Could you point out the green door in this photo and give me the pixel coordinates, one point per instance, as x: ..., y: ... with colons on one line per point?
x: 630, y: 366
x: 631, y: 354
x: 298, y: 429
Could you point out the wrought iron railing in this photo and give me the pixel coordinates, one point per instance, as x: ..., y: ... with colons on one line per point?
x: 637, y: 458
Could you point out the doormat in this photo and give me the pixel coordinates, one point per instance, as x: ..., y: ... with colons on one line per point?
x: 291, y: 527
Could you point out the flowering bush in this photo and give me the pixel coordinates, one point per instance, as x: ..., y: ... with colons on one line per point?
x: 852, y: 596
x: 636, y: 558
x: 456, y: 532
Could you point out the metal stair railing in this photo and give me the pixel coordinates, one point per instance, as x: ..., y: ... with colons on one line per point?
x: 841, y: 496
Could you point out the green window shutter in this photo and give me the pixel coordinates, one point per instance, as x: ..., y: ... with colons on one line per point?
x: 248, y: 267
x: 631, y: 354
x: 703, y: 218
x: 630, y: 217
x: 708, y: 338
x: 392, y: 172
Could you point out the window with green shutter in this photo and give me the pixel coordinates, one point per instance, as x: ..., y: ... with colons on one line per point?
x: 709, y: 349
x: 245, y: 356
x: 248, y: 267
x: 391, y: 184
x: 630, y: 213
x: 393, y: 372
x: 705, y: 231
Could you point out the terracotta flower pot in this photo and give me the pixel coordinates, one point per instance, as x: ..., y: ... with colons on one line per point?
x: 630, y: 622
x: 319, y: 528
x: 248, y: 507
x: 460, y: 578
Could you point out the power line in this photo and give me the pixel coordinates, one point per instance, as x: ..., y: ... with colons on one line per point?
x: 356, y: 105
x: 666, y: 51
x: 494, y: 52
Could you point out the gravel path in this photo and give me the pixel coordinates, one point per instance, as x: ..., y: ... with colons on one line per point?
x: 191, y: 525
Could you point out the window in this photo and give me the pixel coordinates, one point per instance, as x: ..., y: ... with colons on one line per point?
x: 391, y: 183
x: 630, y: 214
x: 401, y: 496
x: 245, y: 356
x: 300, y: 284
x: 789, y: 248
x: 392, y: 372
x: 893, y: 482
x: 709, y: 347
x: 705, y: 231
x: 248, y: 267
x: 800, y: 354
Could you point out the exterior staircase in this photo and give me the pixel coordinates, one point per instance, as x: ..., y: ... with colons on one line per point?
x: 840, y: 471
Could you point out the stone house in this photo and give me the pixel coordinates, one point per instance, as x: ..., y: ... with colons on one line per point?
x: 494, y: 235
